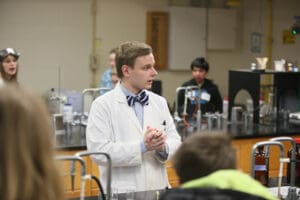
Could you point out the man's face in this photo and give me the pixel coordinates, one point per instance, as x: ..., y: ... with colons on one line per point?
x: 199, y: 74
x: 142, y: 74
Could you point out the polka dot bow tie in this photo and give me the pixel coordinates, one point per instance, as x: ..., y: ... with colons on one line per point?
x: 142, y: 98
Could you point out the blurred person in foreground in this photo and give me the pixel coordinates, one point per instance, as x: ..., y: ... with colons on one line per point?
x: 27, y: 168
x: 206, y: 166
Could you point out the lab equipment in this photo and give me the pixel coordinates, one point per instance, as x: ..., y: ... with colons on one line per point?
x: 292, y: 195
x: 281, y: 159
x: 109, y: 165
x: 83, y: 171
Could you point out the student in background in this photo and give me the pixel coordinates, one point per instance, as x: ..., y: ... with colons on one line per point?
x: 133, y: 125
x: 109, y: 77
x: 9, y: 65
x: 211, y: 100
x: 206, y: 166
x: 27, y: 168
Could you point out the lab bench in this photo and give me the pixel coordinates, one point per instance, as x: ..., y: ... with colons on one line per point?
x: 244, y: 137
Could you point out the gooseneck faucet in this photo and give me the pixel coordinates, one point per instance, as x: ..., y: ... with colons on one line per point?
x: 176, y: 115
x: 94, y: 91
x: 109, y: 165
x: 83, y: 171
x: 292, y: 192
x: 281, y: 160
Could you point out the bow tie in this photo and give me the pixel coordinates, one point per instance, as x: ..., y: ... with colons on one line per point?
x: 142, y: 98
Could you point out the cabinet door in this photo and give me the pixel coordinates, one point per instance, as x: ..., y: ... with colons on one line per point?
x: 173, y: 178
x: 243, y: 149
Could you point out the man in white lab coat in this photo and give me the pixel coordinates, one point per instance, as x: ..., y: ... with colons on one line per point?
x: 133, y: 125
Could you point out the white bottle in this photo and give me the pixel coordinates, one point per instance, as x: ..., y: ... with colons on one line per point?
x: 225, y: 107
x: 68, y: 113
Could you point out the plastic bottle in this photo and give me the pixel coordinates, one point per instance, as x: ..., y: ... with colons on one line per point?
x: 68, y: 113
x: 297, y: 170
x: 261, y: 172
x: 225, y: 107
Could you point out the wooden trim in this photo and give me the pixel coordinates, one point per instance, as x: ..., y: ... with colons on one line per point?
x: 157, y: 37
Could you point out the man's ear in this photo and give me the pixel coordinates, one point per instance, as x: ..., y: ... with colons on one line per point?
x: 125, y: 70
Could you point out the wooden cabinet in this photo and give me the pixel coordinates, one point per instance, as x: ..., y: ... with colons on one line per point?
x: 173, y: 178
x: 64, y: 167
x: 91, y: 188
x: 243, y: 151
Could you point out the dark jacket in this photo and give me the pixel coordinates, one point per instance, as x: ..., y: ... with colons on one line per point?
x: 206, y: 194
x: 215, y: 104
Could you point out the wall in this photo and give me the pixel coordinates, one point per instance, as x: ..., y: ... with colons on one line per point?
x: 54, y: 37
x: 58, y: 33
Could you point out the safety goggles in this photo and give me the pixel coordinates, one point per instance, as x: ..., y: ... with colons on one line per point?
x: 8, y: 51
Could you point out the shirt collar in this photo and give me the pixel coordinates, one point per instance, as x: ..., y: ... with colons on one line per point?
x: 127, y: 92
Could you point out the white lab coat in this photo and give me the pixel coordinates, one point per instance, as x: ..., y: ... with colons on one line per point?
x: 114, y: 128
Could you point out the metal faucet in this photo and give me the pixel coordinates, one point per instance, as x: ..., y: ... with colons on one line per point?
x: 198, y: 116
x: 281, y: 160
x: 83, y: 171
x: 95, y: 94
x: 84, y: 115
x: 176, y: 115
x: 109, y: 165
x: 292, y: 192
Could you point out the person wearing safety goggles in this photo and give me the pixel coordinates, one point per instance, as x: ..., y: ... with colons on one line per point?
x: 9, y: 65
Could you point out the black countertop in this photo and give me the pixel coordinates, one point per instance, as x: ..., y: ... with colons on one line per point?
x: 77, y: 141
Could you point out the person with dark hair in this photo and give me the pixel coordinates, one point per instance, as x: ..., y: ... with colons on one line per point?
x: 211, y: 100
x: 9, y: 65
x: 206, y: 166
x: 133, y: 125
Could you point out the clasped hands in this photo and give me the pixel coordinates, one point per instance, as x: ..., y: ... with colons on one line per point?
x: 154, y: 139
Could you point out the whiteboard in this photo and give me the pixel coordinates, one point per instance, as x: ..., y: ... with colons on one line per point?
x: 187, y: 36
x: 222, y: 26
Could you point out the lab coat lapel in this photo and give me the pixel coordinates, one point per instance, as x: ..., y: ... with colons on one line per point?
x: 127, y: 109
x: 149, y: 115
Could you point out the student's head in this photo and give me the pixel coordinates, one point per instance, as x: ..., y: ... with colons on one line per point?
x: 27, y: 168
x: 9, y: 64
x: 199, y: 68
x: 112, y: 58
x: 202, y: 154
x: 135, y: 65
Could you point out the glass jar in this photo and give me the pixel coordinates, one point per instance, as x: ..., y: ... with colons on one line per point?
x: 261, y: 171
x: 297, y: 170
